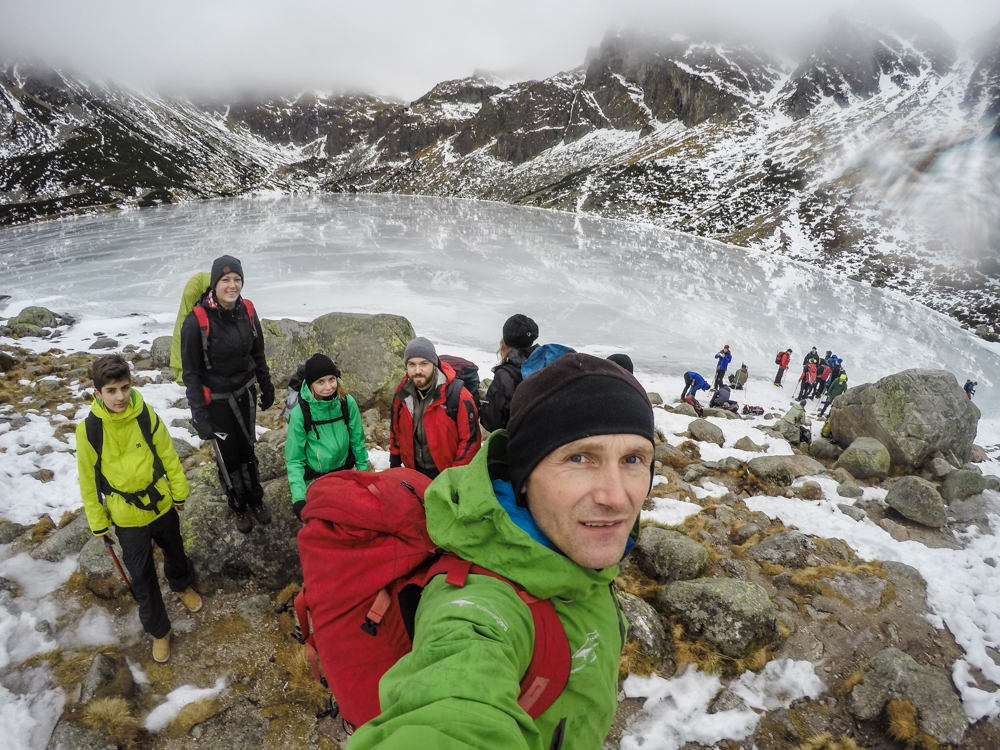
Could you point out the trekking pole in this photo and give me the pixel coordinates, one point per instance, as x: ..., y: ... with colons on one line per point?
x: 222, y: 464
x: 121, y: 572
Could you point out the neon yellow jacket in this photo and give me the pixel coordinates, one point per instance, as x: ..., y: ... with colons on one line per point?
x: 127, y: 464
x: 195, y: 287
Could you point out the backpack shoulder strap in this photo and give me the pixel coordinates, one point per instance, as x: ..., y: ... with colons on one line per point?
x: 95, y: 436
x: 349, y: 462
x: 453, y: 397
x: 147, y: 429
x: 251, y: 312
x: 202, y: 316
x: 307, y: 422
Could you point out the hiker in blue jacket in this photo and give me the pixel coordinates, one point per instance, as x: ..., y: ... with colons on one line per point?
x: 693, y: 382
x: 724, y: 358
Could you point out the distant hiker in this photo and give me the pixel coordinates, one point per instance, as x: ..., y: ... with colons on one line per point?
x: 623, y: 361
x: 796, y: 417
x: 434, y: 421
x: 837, y: 369
x: 552, y: 503
x: 720, y: 398
x: 222, y: 349
x: 126, y: 460
x: 517, y: 344
x: 838, y: 387
x: 693, y: 382
x: 723, y: 358
x: 822, y: 379
x: 739, y: 378
x: 782, y: 361
x: 325, y: 433
x: 970, y: 387
x: 193, y: 290
x: 807, y: 382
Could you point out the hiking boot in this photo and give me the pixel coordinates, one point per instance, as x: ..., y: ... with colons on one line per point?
x: 190, y: 599
x: 161, y: 649
x: 244, y: 524
x: 261, y: 513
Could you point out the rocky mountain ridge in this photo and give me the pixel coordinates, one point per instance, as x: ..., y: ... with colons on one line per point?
x: 846, y: 160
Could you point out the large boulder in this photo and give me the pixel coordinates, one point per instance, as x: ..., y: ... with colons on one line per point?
x: 734, y: 616
x: 685, y: 409
x: 222, y: 556
x: 918, y: 500
x: 896, y: 676
x: 100, y: 575
x: 706, y: 432
x: 788, y: 548
x: 368, y: 349
x: 645, y: 626
x: 865, y: 458
x: 824, y: 450
x: 666, y: 555
x: 782, y: 470
x: 65, y: 541
x: 159, y: 351
x: 963, y: 483
x: 746, y: 444
x: 914, y: 414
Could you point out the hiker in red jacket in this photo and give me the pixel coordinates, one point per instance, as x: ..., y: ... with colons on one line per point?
x: 435, y: 424
x: 782, y: 361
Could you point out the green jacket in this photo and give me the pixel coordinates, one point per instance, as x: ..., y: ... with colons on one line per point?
x: 325, y: 447
x: 458, y: 688
x: 127, y: 464
x: 838, y: 387
x: 193, y: 290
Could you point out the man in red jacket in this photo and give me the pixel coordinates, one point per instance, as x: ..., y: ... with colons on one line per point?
x: 782, y: 361
x: 435, y: 424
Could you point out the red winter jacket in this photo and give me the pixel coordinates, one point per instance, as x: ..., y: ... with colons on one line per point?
x: 452, y: 442
x: 783, y: 359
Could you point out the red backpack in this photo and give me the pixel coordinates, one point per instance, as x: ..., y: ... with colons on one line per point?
x: 366, y: 557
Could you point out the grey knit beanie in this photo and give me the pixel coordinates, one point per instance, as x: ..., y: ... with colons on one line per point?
x: 420, y: 347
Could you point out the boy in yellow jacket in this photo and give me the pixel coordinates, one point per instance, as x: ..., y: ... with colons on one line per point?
x: 125, y: 456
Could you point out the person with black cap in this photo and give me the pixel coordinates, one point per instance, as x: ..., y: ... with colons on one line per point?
x: 435, y: 424
x: 622, y: 360
x: 325, y: 433
x: 552, y: 503
x: 517, y: 344
x: 222, y: 353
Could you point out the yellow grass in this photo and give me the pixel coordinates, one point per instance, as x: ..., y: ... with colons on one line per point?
x: 113, y: 718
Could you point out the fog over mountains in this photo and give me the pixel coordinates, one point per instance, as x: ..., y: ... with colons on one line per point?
x: 875, y: 156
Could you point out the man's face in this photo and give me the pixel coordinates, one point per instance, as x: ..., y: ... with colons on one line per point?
x: 419, y: 371
x: 587, y: 494
x: 228, y: 289
x: 115, y: 396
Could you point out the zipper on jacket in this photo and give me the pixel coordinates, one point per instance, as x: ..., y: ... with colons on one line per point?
x: 559, y: 735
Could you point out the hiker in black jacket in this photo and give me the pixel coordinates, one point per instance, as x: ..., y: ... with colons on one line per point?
x: 518, y: 342
x: 222, y: 371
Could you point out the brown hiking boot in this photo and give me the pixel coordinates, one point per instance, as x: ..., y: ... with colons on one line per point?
x: 244, y: 524
x: 262, y: 514
x: 190, y: 599
x: 161, y: 649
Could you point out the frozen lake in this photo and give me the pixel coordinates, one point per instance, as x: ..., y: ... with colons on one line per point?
x: 457, y: 269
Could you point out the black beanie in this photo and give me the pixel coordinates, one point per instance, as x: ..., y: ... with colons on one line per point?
x: 574, y: 397
x: 222, y: 266
x: 319, y: 366
x: 622, y: 360
x: 520, y: 331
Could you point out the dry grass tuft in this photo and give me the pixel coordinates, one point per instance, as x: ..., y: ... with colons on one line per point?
x: 690, y: 449
x: 637, y: 583
x: 903, y: 726
x: 754, y: 485
x: 228, y: 628
x: 827, y: 741
x: 303, y: 688
x: 708, y: 659
x: 192, y: 714
x: 848, y: 685
x: 285, y: 596
x: 42, y: 529
x: 633, y: 662
x: 69, y: 516
x: 113, y: 718
x: 805, y: 576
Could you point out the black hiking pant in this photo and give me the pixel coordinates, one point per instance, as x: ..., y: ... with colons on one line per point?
x: 238, y: 455
x: 779, y: 376
x: 137, y: 556
x: 720, y: 374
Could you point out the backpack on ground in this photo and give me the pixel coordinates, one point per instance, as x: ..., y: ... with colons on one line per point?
x: 294, y: 397
x: 731, y: 406
x: 468, y: 374
x: 95, y: 436
x: 371, y: 529
x: 756, y: 411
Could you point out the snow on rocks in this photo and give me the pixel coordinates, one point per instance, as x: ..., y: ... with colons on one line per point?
x: 160, y: 716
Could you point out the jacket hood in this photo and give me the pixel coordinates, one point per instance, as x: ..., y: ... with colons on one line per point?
x: 131, y: 411
x: 465, y: 517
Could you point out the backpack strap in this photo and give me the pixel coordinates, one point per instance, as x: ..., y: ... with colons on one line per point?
x: 453, y: 398
x: 308, y: 424
x: 202, y: 317
x: 95, y: 436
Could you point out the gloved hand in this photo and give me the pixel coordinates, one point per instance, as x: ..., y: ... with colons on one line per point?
x: 107, y: 539
x: 395, y: 461
x: 266, y: 399
x: 203, y: 428
x: 297, y: 508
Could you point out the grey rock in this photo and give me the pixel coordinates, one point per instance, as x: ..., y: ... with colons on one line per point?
x: 185, y: 423
x: 735, y: 616
x: 159, y: 351
x: 809, y: 491
x: 666, y: 555
x: 940, y: 467
x: 270, y: 451
x: 796, y: 466
x: 746, y: 444
x: 789, y: 431
x: 10, y: 531
x: 105, y: 343
x: 849, y: 510
x: 850, y: 489
x: 368, y: 348
x: 665, y: 451
x: 914, y: 414
x: 686, y: 409
x: 864, y: 592
x: 894, y: 675
x: 39, y: 317
x: 788, y: 548
x: 254, y: 608
x: 771, y: 469
x: 8, y: 585
x: 100, y: 575
x: 904, y: 572
x: 645, y: 626
x: 654, y: 398
x: 841, y: 475
x: 824, y: 449
x: 724, y: 514
x: 65, y: 541
x: 706, y: 432
x: 712, y: 411
x: 918, y: 500
x: 733, y: 568
x: 100, y: 673
x: 743, y: 533
x: 694, y: 472
x: 69, y: 735
x: 728, y: 701
x: 183, y: 448
x: 181, y: 403
x: 962, y: 483
x: 865, y: 458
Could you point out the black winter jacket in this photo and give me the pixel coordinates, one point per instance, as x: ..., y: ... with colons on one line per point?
x: 235, y: 355
x: 495, y: 411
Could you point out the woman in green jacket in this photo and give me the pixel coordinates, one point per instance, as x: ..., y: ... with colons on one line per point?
x: 324, y: 429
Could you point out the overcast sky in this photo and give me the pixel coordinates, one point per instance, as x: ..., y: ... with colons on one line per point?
x: 391, y: 47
